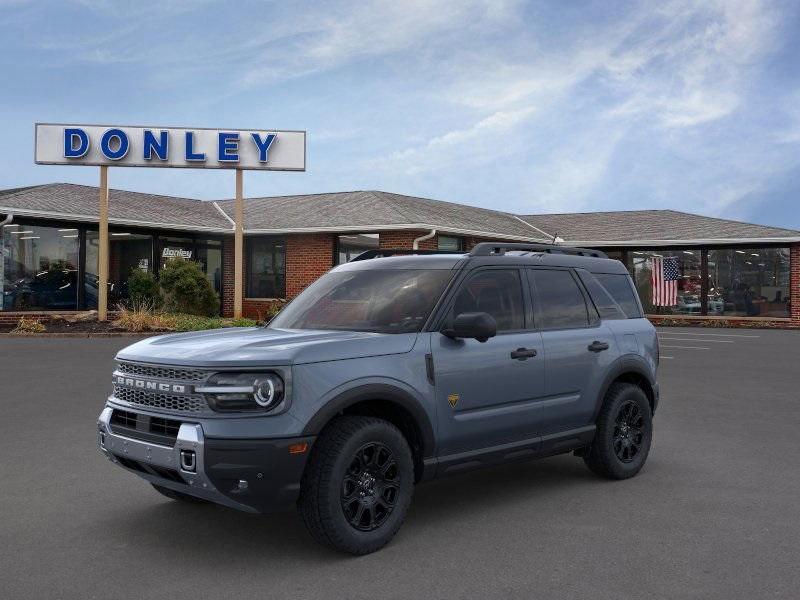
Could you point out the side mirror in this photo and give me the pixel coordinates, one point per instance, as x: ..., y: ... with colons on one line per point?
x: 472, y: 325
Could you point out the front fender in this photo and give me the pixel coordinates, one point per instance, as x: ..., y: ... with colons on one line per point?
x: 359, y: 391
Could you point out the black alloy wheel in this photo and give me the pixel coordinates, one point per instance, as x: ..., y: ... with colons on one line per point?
x: 624, y: 433
x: 357, y: 485
x: 370, y: 487
x: 628, y: 431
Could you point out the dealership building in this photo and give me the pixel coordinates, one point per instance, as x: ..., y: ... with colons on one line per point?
x: 726, y: 270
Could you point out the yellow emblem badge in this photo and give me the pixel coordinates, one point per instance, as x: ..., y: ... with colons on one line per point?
x: 453, y: 399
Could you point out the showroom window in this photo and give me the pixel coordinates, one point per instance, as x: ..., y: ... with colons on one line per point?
x: 128, y: 252
x: 450, y: 243
x: 39, y: 267
x: 748, y: 282
x: 677, y: 275
x: 266, y: 267
x: 350, y: 246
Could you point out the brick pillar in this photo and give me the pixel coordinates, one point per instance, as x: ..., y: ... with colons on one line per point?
x: 308, y: 256
x: 227, y: 277
x: 794, y: 283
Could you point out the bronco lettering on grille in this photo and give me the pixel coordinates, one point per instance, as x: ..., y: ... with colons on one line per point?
x: 155, y: 386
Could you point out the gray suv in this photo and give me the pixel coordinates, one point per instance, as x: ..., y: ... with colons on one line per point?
x: 395, y: 368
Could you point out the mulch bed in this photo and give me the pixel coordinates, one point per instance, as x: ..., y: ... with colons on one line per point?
x: 62, y: 326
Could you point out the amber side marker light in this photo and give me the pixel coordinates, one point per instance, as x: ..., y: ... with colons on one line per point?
x: 298, y: 448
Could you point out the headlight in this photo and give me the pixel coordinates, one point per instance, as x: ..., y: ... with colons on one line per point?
x: 243, y: 391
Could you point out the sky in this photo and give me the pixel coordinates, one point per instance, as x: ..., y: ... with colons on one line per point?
x: 528, y: 107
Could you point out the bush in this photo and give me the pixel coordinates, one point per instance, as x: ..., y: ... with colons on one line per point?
x: 26, y: 325
x: 186, y: 290
x: 143, y: 289
x: 140, y: 317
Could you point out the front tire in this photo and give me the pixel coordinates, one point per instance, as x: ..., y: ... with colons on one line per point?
x: 358, y: 485
x: 624, y: 433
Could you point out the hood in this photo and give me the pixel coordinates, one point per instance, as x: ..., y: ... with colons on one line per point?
x: 261, y: 346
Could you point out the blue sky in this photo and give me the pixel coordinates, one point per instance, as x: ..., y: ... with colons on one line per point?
x: 557, y: 106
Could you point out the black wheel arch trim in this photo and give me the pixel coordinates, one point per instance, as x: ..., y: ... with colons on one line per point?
x: 623, y: 366
x: 381, y: 392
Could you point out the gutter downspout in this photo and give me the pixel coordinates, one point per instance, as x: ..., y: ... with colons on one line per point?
x: 427, y: 236
x: 7, y: 220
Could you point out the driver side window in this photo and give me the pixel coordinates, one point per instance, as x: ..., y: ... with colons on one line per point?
x: 497, y: 292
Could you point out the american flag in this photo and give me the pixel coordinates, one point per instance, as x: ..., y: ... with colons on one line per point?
x: 665, y: 280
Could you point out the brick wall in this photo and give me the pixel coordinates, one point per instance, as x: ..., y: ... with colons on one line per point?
x: 308, y: 256
x: 405, y: 239
x: 227, y: 277
x: 794, y: 284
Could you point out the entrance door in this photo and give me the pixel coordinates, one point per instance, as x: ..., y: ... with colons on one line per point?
x: 486, y: 392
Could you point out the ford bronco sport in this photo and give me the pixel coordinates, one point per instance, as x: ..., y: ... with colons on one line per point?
x: 392, y: 369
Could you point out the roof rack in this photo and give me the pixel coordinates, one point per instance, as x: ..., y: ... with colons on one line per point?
x: 495, y: 248
x: 384, y: 252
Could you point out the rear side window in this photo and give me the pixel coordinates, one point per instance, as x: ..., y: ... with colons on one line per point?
x: 561, y: 302
x: 621, y: 290
x: 606, y: 306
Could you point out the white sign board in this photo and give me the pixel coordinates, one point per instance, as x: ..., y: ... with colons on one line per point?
x: 189, y: 148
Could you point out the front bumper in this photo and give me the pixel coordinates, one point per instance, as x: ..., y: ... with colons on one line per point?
x: 252, y: 475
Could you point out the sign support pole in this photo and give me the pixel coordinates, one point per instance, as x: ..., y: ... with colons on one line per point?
x: 238, y: 255
x: 102, y: 267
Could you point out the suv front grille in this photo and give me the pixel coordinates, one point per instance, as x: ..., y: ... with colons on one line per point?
x: 144, y: 427
x: 156, y: 372
x: 172, y: 402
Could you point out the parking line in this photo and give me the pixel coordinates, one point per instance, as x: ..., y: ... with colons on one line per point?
x: 736, y: 335
x: 671, y: 339
x: 666, y: 357
x: 688, y: 347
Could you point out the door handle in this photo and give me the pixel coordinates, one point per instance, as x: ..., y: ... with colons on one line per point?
x: 523, y: 353
x: 596, y: 346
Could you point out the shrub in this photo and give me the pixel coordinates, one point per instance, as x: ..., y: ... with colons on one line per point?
x: 141, y: 317
x: 143, y: 289
x: 26, y: 325
x: 186, y: 290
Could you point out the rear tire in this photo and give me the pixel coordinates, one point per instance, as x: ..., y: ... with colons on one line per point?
x: 175, y: 495
x: 624, y: 433
x: 358, y: 485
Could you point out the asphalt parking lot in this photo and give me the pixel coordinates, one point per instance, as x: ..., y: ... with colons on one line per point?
x: 714, y: 514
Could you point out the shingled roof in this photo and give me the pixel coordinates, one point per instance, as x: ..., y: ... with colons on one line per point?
x: 370, y: 211
x: 79, y: 203
x: 642, y: 227
x: 374, y: 210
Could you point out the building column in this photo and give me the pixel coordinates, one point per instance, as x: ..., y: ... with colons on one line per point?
x: 794, y: 283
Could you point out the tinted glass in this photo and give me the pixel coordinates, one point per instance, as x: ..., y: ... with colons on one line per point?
x: 668, y: 281
x: 351, y: 245
x: 606, y: 306
x: 749, y: 282
x: 619, y: 286
x: 391, y: 301
x: 560, y: 300
x: 446, y: 242
x: 266, y: 267
x: 38, y: 268
x: 497, y: 292
x: 128, y: 251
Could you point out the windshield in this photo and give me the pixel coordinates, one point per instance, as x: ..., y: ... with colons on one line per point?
x: 390, y: 301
